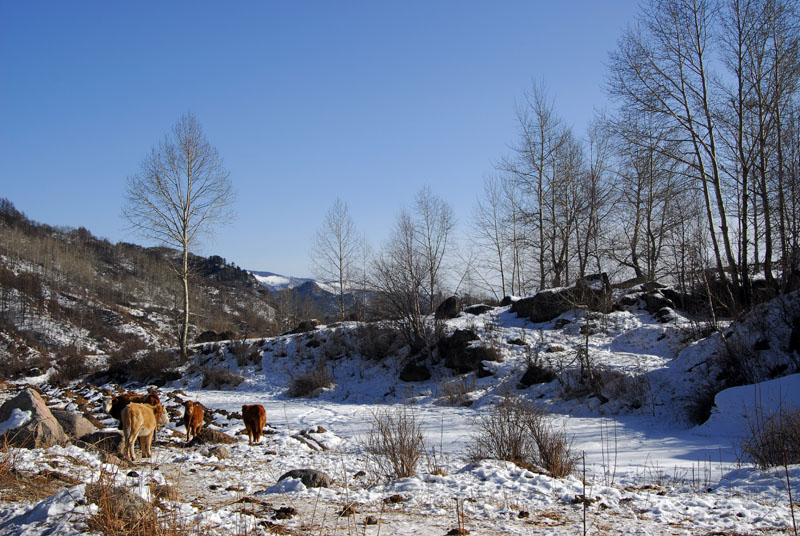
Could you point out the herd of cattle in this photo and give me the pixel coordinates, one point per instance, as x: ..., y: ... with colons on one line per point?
x: 140, y: 415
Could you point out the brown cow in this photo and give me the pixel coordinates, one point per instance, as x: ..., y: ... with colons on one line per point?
x: 254, y: 417
x: 115, y: 405
x: 192, y: 418
x: 140, y: 420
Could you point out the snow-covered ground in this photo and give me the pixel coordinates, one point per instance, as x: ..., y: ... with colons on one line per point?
x: 646, y: 470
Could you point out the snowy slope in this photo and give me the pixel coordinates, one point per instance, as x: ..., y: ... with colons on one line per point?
x: 647, y: 470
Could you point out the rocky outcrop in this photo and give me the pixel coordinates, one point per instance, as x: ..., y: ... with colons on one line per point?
x: 29, y: 423
x: 478, y: 309
x: 448, y: 309
x: 462, y: 355
x: 415, y: 372
x: 592, y: 293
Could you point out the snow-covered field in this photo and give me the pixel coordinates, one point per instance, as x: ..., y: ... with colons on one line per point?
x: 646, y: 470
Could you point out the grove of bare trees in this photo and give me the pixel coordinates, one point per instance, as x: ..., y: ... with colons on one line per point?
x: 691, y: 180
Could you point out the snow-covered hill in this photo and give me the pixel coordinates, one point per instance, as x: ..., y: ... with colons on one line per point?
x: 648, y: 470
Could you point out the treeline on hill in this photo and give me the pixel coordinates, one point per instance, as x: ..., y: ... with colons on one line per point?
x: 65, y: 293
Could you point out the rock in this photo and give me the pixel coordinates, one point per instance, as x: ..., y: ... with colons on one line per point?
x: 561, y: 323
x: 653, y: 301
x: 507, y: 300
x: 449, y: 308
x: 665, y: 314
x: 592, y: 292
x: 415, y: 372
x: 311, y: 478
x: 305, y: 325
x: 478, y: 309
x: 212, y: 436
x: 460, y: 354
x: 220, y: 452
x: 536, y: 374
x: 74, y: 425
x: 38, y: 428
x: 543, y: 306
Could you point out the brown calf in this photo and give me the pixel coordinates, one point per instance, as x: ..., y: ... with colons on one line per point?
x: 115, y: 405
x: 192, y: 418
x: 254, y: 417
x: 140, y: 421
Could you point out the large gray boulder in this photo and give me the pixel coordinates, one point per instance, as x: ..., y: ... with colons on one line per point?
x: 592, y: 293
x: 311, y: 478
x: 74, y: 425
x: 37, y: 427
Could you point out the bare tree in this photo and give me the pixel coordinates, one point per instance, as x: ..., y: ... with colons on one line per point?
x: 399, y: 274
x: 661, y: 67
x: 435, y: 222
x: 335, y: 250
x: 182, y: 190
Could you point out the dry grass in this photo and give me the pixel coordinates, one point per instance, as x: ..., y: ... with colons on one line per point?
x: 123, y: 513
x: 773, y: 439
x: 456, y: 390
x: 16, y: 486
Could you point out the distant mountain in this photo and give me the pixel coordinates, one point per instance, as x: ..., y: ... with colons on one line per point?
x: 276, y: 282
x: 324, y: 295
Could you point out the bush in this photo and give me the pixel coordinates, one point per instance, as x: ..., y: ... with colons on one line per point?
x: 306, y: 384
x: 219, y: 377
x: 157, y: 366
x: 455, y: 390
x: 377, y: 341
x: 395, y: 443
x: 69, y: 367
x: 773, y: 439
x: 518, y: 431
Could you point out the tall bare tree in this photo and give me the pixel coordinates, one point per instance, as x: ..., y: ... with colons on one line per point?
x: 335, y: 250
x: 399, y: 274
x: 434, y: 224
x: 661, y: 67
x: 181, y: 191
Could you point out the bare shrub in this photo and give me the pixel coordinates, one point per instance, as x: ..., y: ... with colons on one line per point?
x: 376, y: 340
x: 308, y: 383
x: 16, y: 364
x: 157, y: 366
x: 456, y: 390
x: 773, y: 439
x: 518, y: 431
x: 70, y: 366
x: 220, y: 377
x: 245, y: 353
x: 395, y: 443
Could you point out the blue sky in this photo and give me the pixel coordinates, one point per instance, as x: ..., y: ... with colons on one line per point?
x: 305, y: 101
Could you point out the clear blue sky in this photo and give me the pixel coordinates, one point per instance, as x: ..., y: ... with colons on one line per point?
x: 305, y: 101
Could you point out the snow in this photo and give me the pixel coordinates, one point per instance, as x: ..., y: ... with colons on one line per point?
x: 18, y: 418
x: 646, y: 470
